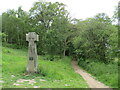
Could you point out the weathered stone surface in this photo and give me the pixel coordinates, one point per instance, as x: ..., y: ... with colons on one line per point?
x: 31, y: 37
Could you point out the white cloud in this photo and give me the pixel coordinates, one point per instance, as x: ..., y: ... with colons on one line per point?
x: 77, y: 8
x: 14, y: 4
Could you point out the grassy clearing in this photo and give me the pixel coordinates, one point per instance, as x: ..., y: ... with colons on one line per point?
x: 53, y: 74
x: 106, y: 73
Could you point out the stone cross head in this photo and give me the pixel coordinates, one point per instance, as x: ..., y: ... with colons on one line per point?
x: 31, y: 37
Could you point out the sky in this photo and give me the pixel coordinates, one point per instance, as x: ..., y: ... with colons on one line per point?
x: 80, y: 9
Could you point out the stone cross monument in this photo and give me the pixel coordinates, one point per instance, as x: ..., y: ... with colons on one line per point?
x: 31, y: 37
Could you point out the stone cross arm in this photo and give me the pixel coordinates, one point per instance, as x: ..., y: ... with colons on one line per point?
x: 32, y: 36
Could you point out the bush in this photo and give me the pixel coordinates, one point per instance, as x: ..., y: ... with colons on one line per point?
x: 14, y: 46
x: 51, y: 57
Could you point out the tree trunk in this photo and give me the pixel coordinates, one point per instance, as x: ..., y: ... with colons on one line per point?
x: 64, y: 52
x: 64, y: 47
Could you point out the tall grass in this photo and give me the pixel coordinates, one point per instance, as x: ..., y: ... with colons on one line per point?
x: 57, y: 73
x: 106, y: 73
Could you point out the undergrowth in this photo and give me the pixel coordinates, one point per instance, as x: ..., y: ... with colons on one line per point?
x: 106, y: 73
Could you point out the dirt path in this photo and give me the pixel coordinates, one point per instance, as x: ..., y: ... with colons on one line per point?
x: 88, y: 78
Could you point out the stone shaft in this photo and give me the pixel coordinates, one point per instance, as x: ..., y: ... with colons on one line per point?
x: 31, y: 37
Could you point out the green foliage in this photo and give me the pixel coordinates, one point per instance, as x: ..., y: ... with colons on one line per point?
x: 56, y: 74
x: 116, y: 14
x: 103, y: 18
x: 51, y: 57
x: 49, y: 20
x: 59, y: 35
x: 106, y: 73
x: 14, y: 46
x: 15, y: 25
x: 3, y: 36
x: 96, y: 38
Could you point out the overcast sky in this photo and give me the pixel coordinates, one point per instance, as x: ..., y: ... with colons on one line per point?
x: 80, y: 9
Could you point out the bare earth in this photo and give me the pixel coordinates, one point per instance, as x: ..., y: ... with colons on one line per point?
x: 88, y: 78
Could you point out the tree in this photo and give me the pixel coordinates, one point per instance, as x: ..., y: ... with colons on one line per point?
x: 49, y: 20
x: 92, y: 38
x: 15, y: 25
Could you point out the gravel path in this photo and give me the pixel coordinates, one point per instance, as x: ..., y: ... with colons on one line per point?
x: 88, y: 78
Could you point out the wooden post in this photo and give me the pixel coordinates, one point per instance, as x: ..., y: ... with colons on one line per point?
x: 31, y: 37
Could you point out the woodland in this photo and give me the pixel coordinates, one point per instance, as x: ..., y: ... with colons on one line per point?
x: 92, y: 42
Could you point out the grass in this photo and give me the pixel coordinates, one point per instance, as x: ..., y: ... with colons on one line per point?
x: 53, y: 74
x: 106, y: 73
